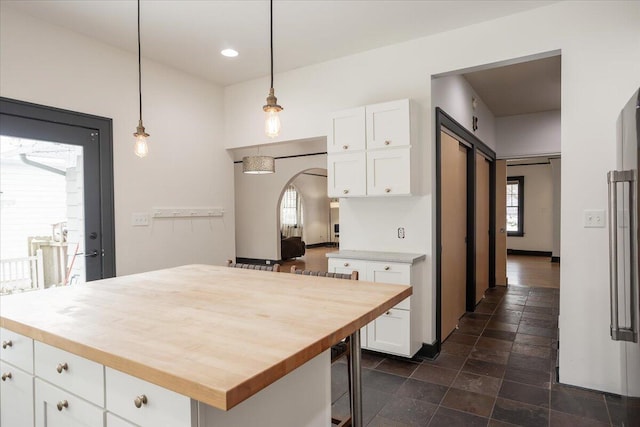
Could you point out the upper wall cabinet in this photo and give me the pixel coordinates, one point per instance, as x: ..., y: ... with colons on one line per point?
x: 388, y: 125
x: 346, y: 133
x: 370, y: 153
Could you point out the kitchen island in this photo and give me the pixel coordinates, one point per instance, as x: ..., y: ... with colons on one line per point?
x: 216, y: 345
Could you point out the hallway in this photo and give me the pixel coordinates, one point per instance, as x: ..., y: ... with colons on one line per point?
x: 497, y: 369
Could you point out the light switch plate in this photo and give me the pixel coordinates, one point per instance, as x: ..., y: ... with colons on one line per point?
x: 140, y: 219
x: 594, y: 218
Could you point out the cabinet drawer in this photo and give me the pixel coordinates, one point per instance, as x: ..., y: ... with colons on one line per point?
x: 16, y: 349
x: 162, y: 408
x: 70, y: 372
x: 393, y: 273
x: 347, y: 266
x: 389, y: 172
x: 390, y: 333
x: 16, y: 397
x: 113, y: 421
x: 59, y: 408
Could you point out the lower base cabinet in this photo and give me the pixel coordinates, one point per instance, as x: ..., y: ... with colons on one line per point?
x: 55, y: 407
x: 396, y: 331
x: 113, y: 421
x: 16, y: 389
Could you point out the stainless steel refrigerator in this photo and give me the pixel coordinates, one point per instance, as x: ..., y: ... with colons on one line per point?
x: 624, y: 205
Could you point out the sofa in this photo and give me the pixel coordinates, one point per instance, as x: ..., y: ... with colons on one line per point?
x: 291, y: 247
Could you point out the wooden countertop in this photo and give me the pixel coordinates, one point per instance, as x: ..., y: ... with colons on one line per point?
x: 215, y: 334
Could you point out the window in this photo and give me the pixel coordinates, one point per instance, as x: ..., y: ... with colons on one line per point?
x: 515, y: 206
x: 291, y: 217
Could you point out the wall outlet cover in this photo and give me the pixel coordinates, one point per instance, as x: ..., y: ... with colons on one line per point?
x: 594, y: 218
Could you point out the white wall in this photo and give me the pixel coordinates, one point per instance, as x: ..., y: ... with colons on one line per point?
x: 538, y: 208
x: 453, y: 94
x: 313, y: 189
x: 599, y: 42
x: 527, y: 135
x: 258, y: 205
x: 187, y: 165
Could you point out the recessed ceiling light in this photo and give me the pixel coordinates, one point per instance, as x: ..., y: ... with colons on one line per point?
x: 230, y: 53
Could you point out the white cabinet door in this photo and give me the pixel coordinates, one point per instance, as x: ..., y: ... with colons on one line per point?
x: 390, y: 333
x: 388, y: 124
x: 389, y: 172
x: 346, y: 131
x: 348, y: 266
x: 346, y: 175
x: 113, y: 421
x: 16, y: 397
x: 17, y: 350
x: 58, y: 408
x: 393, y: 273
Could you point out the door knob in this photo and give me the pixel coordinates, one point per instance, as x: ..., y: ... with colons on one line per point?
x: 92, y: 254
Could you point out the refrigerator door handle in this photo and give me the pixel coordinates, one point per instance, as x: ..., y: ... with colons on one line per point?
x: 613, y: 178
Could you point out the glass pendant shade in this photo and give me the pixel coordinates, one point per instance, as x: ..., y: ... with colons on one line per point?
x: 140, y: 148
x: 272, y: 123
x: 258, y: 164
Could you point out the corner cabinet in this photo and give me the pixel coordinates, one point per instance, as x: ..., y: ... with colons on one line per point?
x: 370, y: 151
x: 398, y: 330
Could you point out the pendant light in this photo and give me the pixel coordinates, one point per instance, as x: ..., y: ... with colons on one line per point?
x: 140, y: 148
x: 272, y: 120
x: 258, y: 165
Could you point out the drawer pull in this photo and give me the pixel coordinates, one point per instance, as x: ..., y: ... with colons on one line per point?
x: 6, y: 344
x: 345, y: 147
x: 140, y: 400
x: 346, y: 264
x: 62, y: 405
x: 387, y: 142
x: 345, y: 191
x: 62, y: 367
x: 6, y: 375
x: 387, y: 313
x: 387, y: 268
x: 387, y: 190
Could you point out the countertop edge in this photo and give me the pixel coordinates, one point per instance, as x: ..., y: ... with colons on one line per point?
x: 401, y: 257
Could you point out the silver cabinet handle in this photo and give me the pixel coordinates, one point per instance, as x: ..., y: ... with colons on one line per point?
x: 387, y: 142
x: 62, y: 404
x: 6, y: 375
x: 6, y: 344
x: 387, y: 268
x: 62, y: 367
x: 345, y: 191
x: 140, y: 400
x: 345, y: 147
x: 387, y: 190
x: 619, y: 333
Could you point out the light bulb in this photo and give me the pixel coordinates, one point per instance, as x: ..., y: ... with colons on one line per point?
x: 140, y: 148
x: 272, y: 123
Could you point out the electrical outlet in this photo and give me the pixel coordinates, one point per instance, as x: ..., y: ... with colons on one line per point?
x: 594, y: 218
x: 401, y: 233
x: 140, y: 219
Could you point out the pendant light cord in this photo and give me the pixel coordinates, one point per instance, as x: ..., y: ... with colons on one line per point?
x: 139, y: 66
x: 271, y: 33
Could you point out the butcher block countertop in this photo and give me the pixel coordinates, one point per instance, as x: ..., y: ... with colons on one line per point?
x: 216, y: 334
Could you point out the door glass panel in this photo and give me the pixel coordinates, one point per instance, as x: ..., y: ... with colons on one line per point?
x: 41, y: 214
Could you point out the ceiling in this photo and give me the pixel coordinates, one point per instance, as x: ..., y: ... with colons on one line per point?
x: 524, y: 88
x: 189, y: 34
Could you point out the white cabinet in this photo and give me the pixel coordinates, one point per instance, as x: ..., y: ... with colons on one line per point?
x: 55, y: 407
x: 389, y: 333
x: 388, y: 173
x: 370, y: 151
x: 388, y: 124
x: 346, y: 131
x: 346, y: 174
x: 16, y: 389
x: 396, y: 331
x: 67, y: 371
x: 17, y: 350
x: 113, y: 421
x: 145, y: 404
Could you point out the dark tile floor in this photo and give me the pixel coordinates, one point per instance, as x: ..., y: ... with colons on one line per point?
x: 497, y: 369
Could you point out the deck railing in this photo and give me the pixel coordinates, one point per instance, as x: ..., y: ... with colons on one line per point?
x: 22, y: 274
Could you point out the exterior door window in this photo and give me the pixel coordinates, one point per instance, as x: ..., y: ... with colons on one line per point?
x: 515, y: 206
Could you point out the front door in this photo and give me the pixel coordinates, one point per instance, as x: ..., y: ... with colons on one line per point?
x: 57, y: 210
